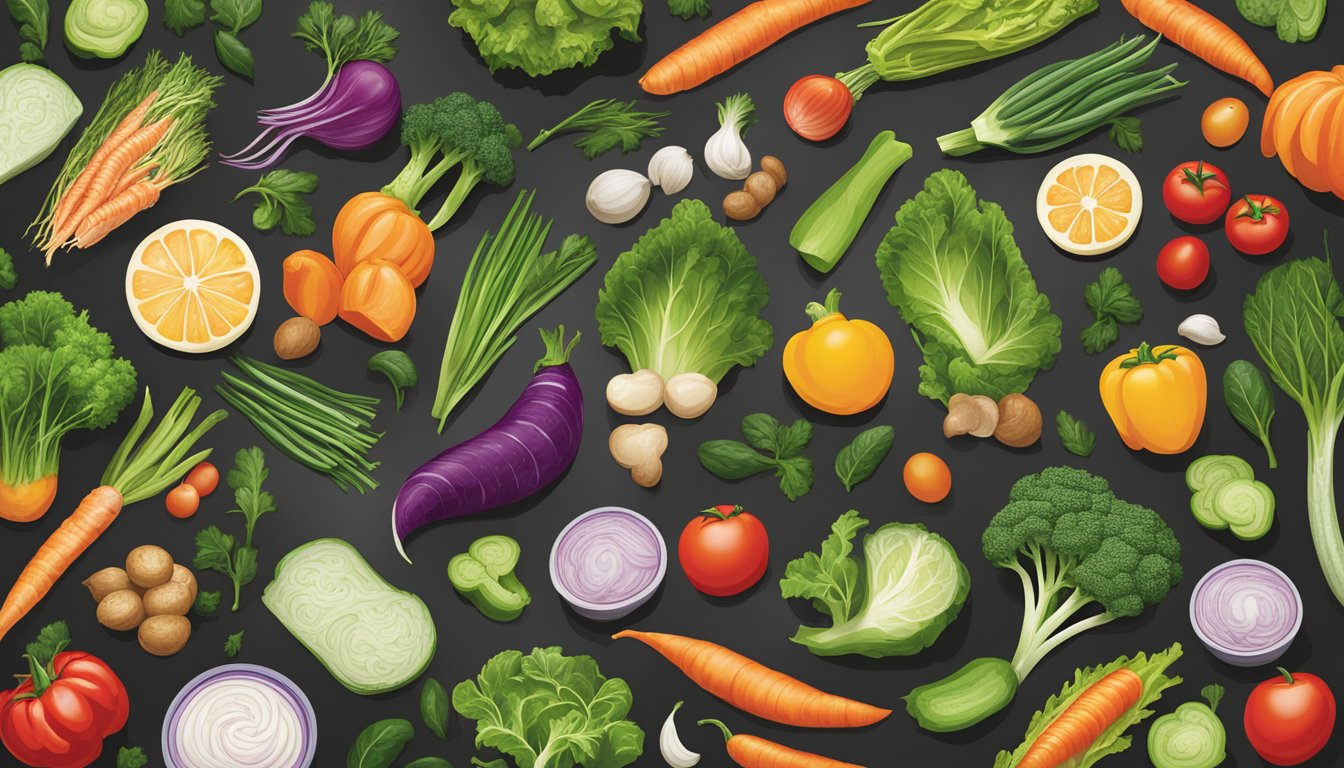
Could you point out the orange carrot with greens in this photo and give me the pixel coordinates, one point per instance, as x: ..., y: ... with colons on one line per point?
x: 136, y: 473
x: 734, y: 40
x: 755, y: 688
x: 132, y: 177
x: 1079, y: 725
x: 116, y: 211
x: 128, y: 125
x: 1202, y: 34
x: 755, y: 752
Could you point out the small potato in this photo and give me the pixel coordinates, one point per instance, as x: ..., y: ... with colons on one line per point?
x: 761, y: 186
x: 107, y: 581
x: 121, y: 610
x: 149, y: 566
x: 172, y: 598
x: 164, y: 635
x: 775, y: 167
x: 183, y: 575
x: 739, y: 205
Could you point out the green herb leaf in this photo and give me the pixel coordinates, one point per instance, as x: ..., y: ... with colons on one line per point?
x: 830, y: 579
x: 1076, y: 436
x: 432, y: 762
x: 1126, y: 133
x: 282, y: 202
x: 762, y: 432
x: 235, y: 56
x: 609, y: 123
x: 181, y: 15
x: 233, y: 644
x: 207, y: 603
x: 688, y: 9
x: 235, y: 15
x: 244, y: 566
x: 342, y: 39
x: 1111, y: 300
x: 51, y: 640
x: 435, y: 707
x: 795, y: 476
x: 1246, y: 393
x: 858, y: 461
x: 131, y: 757
x: 399, y: 369
x: 1212, y: 694
x: 793, y: 439
x: 34, y: 20
x: 248, y: 473
x: 9, y: 277
x: 378, y: 745
x: 214, y: 551
x: 732, y: 460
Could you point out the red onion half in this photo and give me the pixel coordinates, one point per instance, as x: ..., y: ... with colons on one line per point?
x: 240, y: 715
x: 1246, y: 612
x: 607, y: 562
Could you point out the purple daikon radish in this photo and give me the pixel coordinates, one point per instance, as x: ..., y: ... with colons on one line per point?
x: 535, y: 443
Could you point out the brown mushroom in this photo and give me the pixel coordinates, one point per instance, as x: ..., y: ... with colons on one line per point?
x: 970, y: 415
x: 1019, y: 421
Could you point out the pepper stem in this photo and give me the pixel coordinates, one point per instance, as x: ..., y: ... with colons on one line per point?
x: 1146, y: 355
x: 1287, y: 676
x: 831, y: 307
x: 727, y: 734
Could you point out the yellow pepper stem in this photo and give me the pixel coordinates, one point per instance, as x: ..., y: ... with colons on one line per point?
x: 1146, y: 355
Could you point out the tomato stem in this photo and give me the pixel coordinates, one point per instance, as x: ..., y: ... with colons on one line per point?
x: 1287, y: 676
x: 1198, y: 177
x: 830, y: 307
x: 1256, y: 212
x: 715, y: 513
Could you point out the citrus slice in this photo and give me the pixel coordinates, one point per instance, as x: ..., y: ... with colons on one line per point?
x: 193, y: 286
x: 1089, y: 204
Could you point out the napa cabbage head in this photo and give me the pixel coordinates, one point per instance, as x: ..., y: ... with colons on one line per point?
x: 952, y: 269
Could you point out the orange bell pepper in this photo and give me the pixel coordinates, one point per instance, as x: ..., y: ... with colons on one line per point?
x: 839, y: 365
x: 1156, y: 397
x: 378, y: 300
x: 372, y: 225
x: 312, y: 286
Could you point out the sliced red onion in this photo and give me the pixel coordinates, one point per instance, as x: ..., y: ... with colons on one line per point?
x: 242, y: 716
x: 1246, y: 612
x: 607, y: 562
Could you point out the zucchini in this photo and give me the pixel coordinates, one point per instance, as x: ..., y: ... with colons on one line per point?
x: 1228, y: 497
x: 964, y: 698
x: 484, y: 575
x: 1207, y: 471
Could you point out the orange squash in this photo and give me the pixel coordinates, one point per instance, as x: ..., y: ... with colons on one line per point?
x: 372, y: 225
x: 839, y: 365
x: 378, y: 300
x: 1304, y: 126
x: 312, y: 286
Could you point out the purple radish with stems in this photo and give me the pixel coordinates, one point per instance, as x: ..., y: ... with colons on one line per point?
x: 535, y: 443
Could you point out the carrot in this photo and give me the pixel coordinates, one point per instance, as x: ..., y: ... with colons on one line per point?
x: 1083, y: 721
x: 128, y: 125
x: 755, y: 688
x: 28, y: 502
x: 105, y: 178
x: 132, y: 177
x: 734, y: 40
x: 116, y: 211
x: 1202, y: 34
x: 755, y: 752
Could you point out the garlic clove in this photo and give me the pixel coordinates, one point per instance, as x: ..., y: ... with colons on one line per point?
x: 689, y: 395
x: 672, y: 169
x: 1201, y: 329
x: 617, y: 196
x: 727, y: 156
x: 635, y: 394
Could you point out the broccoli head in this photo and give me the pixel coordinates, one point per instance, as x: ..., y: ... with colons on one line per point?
x: 452, y: 131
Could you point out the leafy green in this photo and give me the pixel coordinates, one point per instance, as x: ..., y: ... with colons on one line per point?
x: 1294, y: 20
x: 543, y: 36
x: 733, y: 460
x: 217, y: 551
x: 181, y: 15
x: 914, y: 586
x: 688, y: 9
x: 1293, y: 319
x: 548, y: 710
x: 1111, y: 301
x: 34, y: 20
x: 51, y: 640
x: 232, y: 17
x: 430, y: 762
x: 235, y: 15
x: 342, y: 39
x: 131, y: 757
x: 282, y: 204
x: 9, y: 277
x: 207, y: 603
x: 609, y: 124
x: 1075, y: 435
x: 379, y: 745
x: 1126, y: 132
x: 858, y: 461
x: 233, y: 644
x: 686, y: 298
x: 953, y: 271
x: 399, y: 369
x: 234, y: 55
x: 1246, y: 393
x: 435, y: 707
x: 1150, y: 669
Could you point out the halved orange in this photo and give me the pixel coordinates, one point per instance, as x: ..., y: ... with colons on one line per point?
x: 193, y: 286
x: 1089, y: 204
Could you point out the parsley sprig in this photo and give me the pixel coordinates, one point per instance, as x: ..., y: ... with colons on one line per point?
x: 220, y: 552
x: 609, y: 123
x: 282, y: 202
x: 734, y: 460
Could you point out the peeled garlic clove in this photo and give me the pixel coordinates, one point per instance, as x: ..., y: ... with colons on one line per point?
x: 1201, y: 329
x: 635, y: 394
x: 689, y: 395
x: 671, y: 168
x: 617, y: 196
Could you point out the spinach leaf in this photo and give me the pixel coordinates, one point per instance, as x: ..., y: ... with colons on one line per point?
x: 1246, y: 393
x: 1077, y: 437
x: 858, y: 461
x: 235, y: 15
x: 431, y: 762
x: 380, y: 744
x: 181, y: 15
x: 734, y: 460
x: 434, y: 707
x: 235, y: 56
x: 282, y: 204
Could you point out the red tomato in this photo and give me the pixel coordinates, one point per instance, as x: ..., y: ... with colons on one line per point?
x: 183, y: 501
x: 1183, y: 263
x: 817, y: 107
x: 204, y: 478
x: 1257, y: 224
x: 927, y: 478
x: 1289, y: 719
x: 724, y: 550
x: 60, y: 717
x: 1196, y: 192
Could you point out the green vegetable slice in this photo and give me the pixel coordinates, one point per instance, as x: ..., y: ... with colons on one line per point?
x: 484, y: 575
x: 962, y: 699
x: 1295, y: 21
x: 1246, y: 505
x: 37, y: 110
x: 1190, y: 737
x: 1208, y: 471
x: 1203, y: 505
x: 104, y: 29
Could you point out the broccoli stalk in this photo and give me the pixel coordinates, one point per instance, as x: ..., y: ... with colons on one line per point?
x: 452, y: 131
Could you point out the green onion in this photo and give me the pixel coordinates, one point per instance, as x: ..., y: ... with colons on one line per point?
x: 1069, y: 99
x: 140, y: 470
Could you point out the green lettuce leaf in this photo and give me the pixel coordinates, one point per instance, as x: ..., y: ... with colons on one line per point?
x: 543, y: 36
x: 953, y: 271
x: 685, y: 298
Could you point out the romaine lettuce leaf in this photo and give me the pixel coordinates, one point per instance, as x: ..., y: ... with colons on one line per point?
x: 953, y: 270
x: 685, y: 298
x: 542, y: 36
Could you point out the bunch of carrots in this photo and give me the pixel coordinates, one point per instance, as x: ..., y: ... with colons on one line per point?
x: 148, y: 134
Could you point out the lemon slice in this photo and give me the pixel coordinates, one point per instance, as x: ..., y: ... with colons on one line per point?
x: 193, y: 286
x: 1089, y: 204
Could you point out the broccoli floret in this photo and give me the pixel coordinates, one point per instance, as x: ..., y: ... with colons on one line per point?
x: 57, y: 374
x: 9, y: 277
x: 450, y: 131
x: 1073, y: 543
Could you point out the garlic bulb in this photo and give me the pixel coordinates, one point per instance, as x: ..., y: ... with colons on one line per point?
x: 1201, y: 329
x: 725, y: 153
x: 669, y: 743
x: 671, y: 168
x: 617, y: 196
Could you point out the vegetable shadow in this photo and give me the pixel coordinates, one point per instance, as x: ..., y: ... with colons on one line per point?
x: 1194, y: 294
x: 623, y: 58
x: 1325, y: 201
x: 385, y: 148
x: 1175, y: 463
x: 1296, y: 658
x: 1236, y: 548
x: 818, y: 416
x: 597, y: 631
x: 741, y: 597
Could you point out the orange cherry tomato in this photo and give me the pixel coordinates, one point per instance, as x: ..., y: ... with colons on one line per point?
x: 183, y: 501
x: 1225, y: 122
x: 927, y: 478
x: 204, y: 478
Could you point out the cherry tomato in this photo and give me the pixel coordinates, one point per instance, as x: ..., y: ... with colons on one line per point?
x: 1225, y: 122
x: 204, y: 478
x: 817, y: 107
x: 927, y: 478
x: 1256, y: 224
x: 1196, y: 192
x: 1183, y: 263
x: 724, y: 550
x: 183, y: 501
x: 1290, y: 718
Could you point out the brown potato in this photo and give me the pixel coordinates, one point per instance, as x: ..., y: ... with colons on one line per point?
x: 172, y: 598
x: 105, y: 582
x: 121, y: 610
x: 183, y: 575
x: 761, y: 186
x: 775, y: 167
x: 739, y: 205
x: 149, y: 566
x: 296, y: 337
x: 164, y: 635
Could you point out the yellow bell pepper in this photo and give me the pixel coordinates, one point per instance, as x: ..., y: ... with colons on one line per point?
x: 839, y: 365
x: 1156, y: 397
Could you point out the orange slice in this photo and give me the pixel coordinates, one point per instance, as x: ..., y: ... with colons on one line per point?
x: 1089, y: 204
x: 193, y: 286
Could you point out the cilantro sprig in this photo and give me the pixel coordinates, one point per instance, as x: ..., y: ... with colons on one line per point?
x: 282, y: 204
x: 220, y: 552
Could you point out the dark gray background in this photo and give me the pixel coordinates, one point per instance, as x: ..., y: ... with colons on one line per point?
x: 436, y: 59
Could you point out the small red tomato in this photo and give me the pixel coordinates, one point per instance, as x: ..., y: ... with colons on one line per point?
x: 1196, y: 192
x: 1257, y: 224
x: 724, y: 550
x: 1290, y: 718
x: 927, y: 478
x: 204, y: 478
x: 183, y: 501
x: 817, y: 107
x: 1183, y: 263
